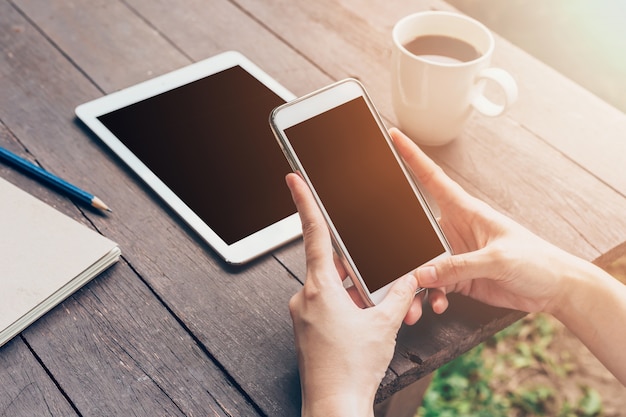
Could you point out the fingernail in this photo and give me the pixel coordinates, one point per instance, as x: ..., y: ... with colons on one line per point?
x: 426, y: 275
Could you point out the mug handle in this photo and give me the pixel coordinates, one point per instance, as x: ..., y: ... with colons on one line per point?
x: 507, y: 85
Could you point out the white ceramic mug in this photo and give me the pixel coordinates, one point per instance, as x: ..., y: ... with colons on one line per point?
x: 432, y: 96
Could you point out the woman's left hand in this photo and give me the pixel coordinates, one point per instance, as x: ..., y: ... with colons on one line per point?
x: 343, y: 350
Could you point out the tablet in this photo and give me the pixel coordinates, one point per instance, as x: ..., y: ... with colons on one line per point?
x: 200, y: 138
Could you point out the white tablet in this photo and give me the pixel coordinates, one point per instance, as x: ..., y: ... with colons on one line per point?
x: 200, y: 138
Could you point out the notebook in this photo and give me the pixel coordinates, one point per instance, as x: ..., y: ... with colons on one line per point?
x: 45, y: 256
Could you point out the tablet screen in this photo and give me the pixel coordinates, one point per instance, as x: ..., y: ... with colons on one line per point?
x: 210, y: 142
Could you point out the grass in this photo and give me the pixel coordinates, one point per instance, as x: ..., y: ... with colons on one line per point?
x: 533, y: 368
x: 515, y: 373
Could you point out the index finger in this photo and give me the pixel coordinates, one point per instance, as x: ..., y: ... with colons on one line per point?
x: 426, y: 171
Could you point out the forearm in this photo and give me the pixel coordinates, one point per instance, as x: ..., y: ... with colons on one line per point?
x: 592, y: 305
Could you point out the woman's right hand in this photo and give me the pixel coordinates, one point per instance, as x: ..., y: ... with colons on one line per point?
x: 496, y: 260
x: 499, y: 262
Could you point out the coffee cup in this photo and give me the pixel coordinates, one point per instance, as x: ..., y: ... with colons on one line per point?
x: 441, y: 64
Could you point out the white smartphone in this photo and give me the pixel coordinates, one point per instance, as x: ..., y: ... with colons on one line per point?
x: 381, y: 225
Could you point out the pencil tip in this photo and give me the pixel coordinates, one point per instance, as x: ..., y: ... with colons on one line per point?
x: 99, y: 204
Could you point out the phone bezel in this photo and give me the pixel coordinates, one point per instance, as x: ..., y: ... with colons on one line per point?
x: 325, y: 99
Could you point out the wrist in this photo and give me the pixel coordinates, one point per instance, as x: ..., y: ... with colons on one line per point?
x: 338, y: 392
x: 578, y: 282
x: 338, y: 405
x: 592, y: 307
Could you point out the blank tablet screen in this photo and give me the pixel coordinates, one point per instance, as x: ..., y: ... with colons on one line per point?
x: 210, y: 142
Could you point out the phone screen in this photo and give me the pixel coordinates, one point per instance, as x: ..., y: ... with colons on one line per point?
x: 365, y: 193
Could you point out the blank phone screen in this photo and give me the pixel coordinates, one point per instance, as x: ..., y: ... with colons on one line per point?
x: 365, y: 193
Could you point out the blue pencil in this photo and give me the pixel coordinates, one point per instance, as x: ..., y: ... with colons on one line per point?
x: 53, y: 180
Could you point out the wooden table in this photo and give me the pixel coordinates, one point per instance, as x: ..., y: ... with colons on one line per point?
x: 171, y: 330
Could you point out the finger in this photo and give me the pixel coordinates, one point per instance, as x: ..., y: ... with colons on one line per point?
x: 317, y: 244
x: 438, y: 300
x: 455, y: 269
x: 415, y: 310
x: 399, y: 298
x: 426, y: 171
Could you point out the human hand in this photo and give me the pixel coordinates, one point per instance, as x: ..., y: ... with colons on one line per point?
x: 343, y: 350
x: 496, y: 261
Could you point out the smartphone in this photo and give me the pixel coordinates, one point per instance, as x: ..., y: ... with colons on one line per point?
x: 380, y: 223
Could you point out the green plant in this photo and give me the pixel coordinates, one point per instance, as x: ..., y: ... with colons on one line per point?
x: 461, y: 387
x: 514, y: 373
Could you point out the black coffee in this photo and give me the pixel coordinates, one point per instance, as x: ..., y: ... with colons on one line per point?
x: 444, y: 49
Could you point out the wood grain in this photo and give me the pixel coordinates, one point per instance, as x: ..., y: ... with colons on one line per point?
x: 26, y: 388
x: 239, y: 315
x: 494, y: 159
x: 172, y: 329
x: 115, y: 363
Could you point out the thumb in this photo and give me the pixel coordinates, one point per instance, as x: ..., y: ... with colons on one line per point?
x: 458, y: 268
x: 399, y: 298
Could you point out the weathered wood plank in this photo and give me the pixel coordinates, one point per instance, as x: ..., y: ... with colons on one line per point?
x: 153, y: 357
x: 569, y: 221
x: 238, y: 314
x: 129, y: 354
x: 587, y: 129
x: 509, y: 192
x: 337, y: 38
x: 26, y: 388
x: 127, y: 351
x: 129, y: 62
x: 486, y: 157
x: 202, y: 29
x: 468, y: 153
x: 559, y: 111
